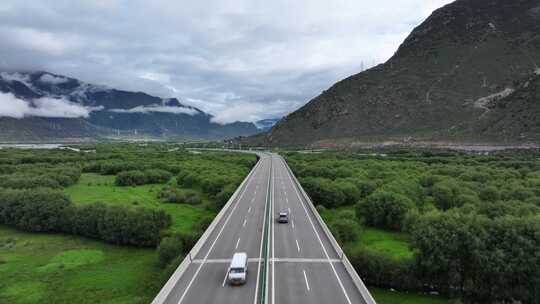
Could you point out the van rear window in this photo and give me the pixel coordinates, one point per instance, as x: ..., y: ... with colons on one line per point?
x: 237, y: 270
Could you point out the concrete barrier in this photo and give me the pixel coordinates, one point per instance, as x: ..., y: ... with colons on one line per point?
x: 346, y: 263
x: 169, y: 286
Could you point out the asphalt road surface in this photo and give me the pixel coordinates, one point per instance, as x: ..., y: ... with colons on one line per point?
x: 302, y: 266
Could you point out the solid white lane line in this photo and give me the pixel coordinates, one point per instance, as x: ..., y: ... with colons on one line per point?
x: 292, y: 222
x: 214, y: 242
x: 244, y: 224
x: 237, y: 242
x: 297, y: 246
x: 318, y: 237
x: 307, y: 283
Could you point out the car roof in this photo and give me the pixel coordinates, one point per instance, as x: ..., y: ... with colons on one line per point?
x: 239, y: 260
x: 282, y: 213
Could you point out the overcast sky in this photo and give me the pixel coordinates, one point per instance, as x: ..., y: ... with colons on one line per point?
x: 236, y: 59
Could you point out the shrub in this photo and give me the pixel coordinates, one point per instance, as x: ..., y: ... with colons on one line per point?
x: 37, y: 210
x: 350, y: 191
x: 223, y: 196
x: 46, y: 210
x: 479, y: 259
x: 139, y: 226
x: 137, y: 177
x: 345, y: 230
x: 489, y: 194
x: 157, y: 176
x: 445, y: 194
x: 366, y: 187
x: 28, y: 182
x: 384, y: 209
x: 323, y: 191
x: 170, y: 269
x: 169, y: 249
x: 204, y: 223
x: 383, y: 271
x: 179, y: 196
x: 130, y: 178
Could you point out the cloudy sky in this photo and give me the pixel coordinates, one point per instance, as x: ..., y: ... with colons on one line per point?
x: 237, y: 59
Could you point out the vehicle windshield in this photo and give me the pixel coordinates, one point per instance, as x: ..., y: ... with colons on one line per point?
x: 237, y: 270
x: 282, y: 215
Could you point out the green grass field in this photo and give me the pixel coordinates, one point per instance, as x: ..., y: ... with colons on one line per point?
x: 394, y: 244
x: 389, y: 243
x: 391, y: 297
x: 93, y: 188
x: 45, y: 268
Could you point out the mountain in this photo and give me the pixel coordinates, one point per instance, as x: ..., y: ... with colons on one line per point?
x: 516, y: 115
x: 46, y: 106
x: 266, y: 124
x: 435, y: 86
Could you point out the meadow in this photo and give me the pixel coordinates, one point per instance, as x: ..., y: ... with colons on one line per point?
x: 55, y: 268
x: 94, y: 188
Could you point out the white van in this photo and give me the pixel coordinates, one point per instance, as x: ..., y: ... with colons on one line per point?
x: 238, y: 269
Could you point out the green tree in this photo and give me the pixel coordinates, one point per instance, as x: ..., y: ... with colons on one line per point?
x: 384, y: 209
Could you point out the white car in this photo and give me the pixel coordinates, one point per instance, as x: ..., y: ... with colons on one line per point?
x: 238, y: 269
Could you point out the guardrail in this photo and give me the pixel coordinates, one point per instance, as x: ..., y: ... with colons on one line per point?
x: 346, y: 263
x: 169, y: 286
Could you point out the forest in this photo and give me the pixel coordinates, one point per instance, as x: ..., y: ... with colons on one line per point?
x: 462, y: 225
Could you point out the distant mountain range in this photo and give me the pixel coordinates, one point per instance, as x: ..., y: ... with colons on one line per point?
x: 469, y: 72
x: 266, y: 124
x: 46, y: 106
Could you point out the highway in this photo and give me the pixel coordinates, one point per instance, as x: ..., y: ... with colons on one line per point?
x: 288, y: 263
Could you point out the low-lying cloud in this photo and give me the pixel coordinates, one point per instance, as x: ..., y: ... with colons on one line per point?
x: 157, y: 109
x: 51, y: 79
x: 11, y: 106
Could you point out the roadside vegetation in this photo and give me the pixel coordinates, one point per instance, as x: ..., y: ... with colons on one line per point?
x: 108, y: 224
x: 464, y: 226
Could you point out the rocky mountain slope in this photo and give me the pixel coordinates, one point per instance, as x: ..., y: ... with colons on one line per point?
x: 436, y: 86
x: 45, y: 106
x: 515, y: 116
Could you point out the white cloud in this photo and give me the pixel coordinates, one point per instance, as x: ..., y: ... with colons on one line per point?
x: 250, y: 111
x: 157, y: 109
x: 257, y: 53
x: 30, y: 39
x: 14, y: 76
x: 48, y: 78
x: 11, y: 106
